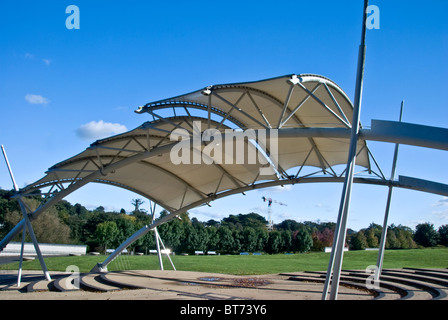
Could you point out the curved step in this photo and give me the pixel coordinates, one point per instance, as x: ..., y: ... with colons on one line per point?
x: 406, y: 289
x: 9, y: 282
x: 109, y: 278
x: 414, y: 289
x: 95, y: 282
x: 403, y: 291
x: 396, y: 291
x: 63, y: 284
x: 435, y: 270
x: 436, y: 286
x: 39, y: 286
x: 435, y: 273
x: 376, y: 293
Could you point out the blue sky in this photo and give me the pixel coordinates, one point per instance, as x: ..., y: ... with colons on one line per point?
x: 62, y: 89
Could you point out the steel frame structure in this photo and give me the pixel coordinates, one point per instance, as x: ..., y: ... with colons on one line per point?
x: 61, y: 187
x: 314, y: 121
x: 96, y: 168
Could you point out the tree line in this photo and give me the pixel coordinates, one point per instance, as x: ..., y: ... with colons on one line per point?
x: 101, y: 230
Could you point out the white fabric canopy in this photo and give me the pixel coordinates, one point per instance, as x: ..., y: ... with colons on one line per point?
x: 141, y: 157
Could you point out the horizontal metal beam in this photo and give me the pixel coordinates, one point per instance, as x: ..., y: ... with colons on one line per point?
x: 423, y: 185
x: 407, y: 133
x: 382, y: 131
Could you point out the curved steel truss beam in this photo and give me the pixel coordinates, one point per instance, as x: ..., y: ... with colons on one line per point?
x: 287, y: 112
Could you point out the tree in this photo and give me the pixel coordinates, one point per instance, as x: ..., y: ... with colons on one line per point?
x: 173, y: 234
x: 392, y: 241
x: 226, y: 240
x: 248, y: 239
x: 253, y: 220
x: 302, y: 241
x: 426, y: 235
x: 286, y: 241
x: 100, y: 209
x: 76, y: 224
x: 288, y: 224
x: 443, y: 235
x: 79, y: 209
x: 47, y: 220
x: 322, y: 239
x: 213, y: 238
x: 148, y: 241
x: 137, y: 203
x: 405, y: 237
x: 373, y: 235
x: 127, y: 226
x: 274, y: 243
x: 92, y: 219
x: 8, y: 209
x: 358, y: 241
x: 262, y: 238
x: 107, y: 233
x: 197, y: 238
x: 212, y: 223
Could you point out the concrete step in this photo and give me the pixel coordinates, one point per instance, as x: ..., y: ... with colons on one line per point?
x: 435, y: 270
x: 438, y: 287
x: 398, y: 283
x: 376, y: 293
x: 39, y: 286
x: 413, y: 289
x: 65, y: 283
x: 95, y: 282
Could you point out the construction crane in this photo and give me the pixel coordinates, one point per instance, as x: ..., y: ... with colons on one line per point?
x: 270, y: 201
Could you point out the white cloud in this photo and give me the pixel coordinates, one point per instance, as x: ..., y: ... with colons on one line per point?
x: 29, y: 55
x: 441, y: 215
x: 326, y: 207
x: 36, y: 99
x: 95, y: 130
x: 441, y: 202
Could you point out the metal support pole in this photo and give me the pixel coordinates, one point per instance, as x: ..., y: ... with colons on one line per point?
x: 337, y: 251
x: 22, y: 248
x: 159, y: 255
x: 156, y: 234
x: 9, y: 169
x: 166, y: 252
x: 26, y: 225
x: 159, y: 241
x: 34, y: 239
x: 379, y: 263
x: 19, y: 274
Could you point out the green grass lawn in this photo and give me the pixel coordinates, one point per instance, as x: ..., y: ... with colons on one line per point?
x: 251, y: 265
